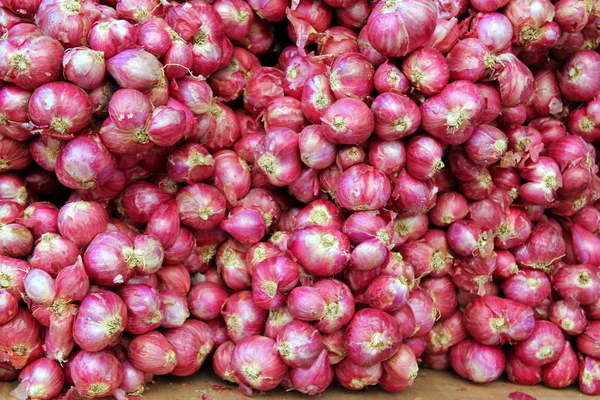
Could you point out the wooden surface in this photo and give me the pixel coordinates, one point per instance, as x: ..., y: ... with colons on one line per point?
x: 430, y: 385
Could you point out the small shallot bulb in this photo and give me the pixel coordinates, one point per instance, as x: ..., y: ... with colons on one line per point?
x: 278, y: 157
x: 371, y: 337
x: 257, y: 364
x: 42, y: 379
x: 427, y: 70
x: 362, y: 188
x: 353, y: 377
x: 315, y: 378
x: 477, y: 362
x: 101, y: 320
x: 562, y: 372
x: 580, y: 283
x: 396, y: 116
x: 545, y: 344
x: 192, y: 343
x: 320, y: 251
x: 96, y: 374
x: 348, y: 121
x: 151, y: 352
x: 339, y: 305
x: 201, y: 206
x: 400, y: 371
x: 306, y: 303
x: 569, y: 317
x: 299, y: 344
x: 243, y: 317
x: 424, y: 157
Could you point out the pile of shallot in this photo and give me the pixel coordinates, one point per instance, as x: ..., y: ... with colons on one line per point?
x: 305, y: 193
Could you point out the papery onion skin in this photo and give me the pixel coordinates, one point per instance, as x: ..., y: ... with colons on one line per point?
x: 192, y: 343
x: 543, y: 346
x: 257, y: 364
x: 562, y: 372
x: 96, y: 374
x: 151, y: 352
x: 476, y: 362
x: 100, y: 322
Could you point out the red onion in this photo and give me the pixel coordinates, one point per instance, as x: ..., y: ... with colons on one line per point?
x: 471, y: 60
x: 260, y: 38
x: 562, y: 372
x: 476, y: 362
x: 264, y: 85
x: 347, y: 121
x: 396, y: 116
x: 271, y: 279
x: 201, y: 206
x: 330, y: 250
x: 316, y: 96
x: 37, y: 58
x: 587, y: 342
x: 15, y: 240
x: 277, y: 156
x: 283, y: 112
x: 192, y: 343
x: 315, y: 378
x: 450, y: 207
x: 13, y: 103
x: 145, y: 311
x: 206, y: 299
x: 299, y: 72
x: 245, y: 224
x: 237, y: 17
x: 175, y: 309
x: 580, y: 283
x: 583, y: 245
x: 351, y: 76
x: 445, y: 35
x: 299, y: 344
x: 243, y: 316
x: 389, y: 78
x: 9, y: 306
x: 222, y: 362
x: 371, y: 337
x: 319, y: 213
x: 486, y: 146
x: 42, y: 379
x: 545, y: 345
x: 399, y: 371
x: 569, y: 317
x: 135, y: 69
x: 427, y: 70
x: 73, y: 114
x: 423, y: 157
x: 528, y: 287
x: 588, y: 376
x: 466, y: 238
x: 361, y: 197
x: 39, y: 286
x: 96, y: 374
x: 257, y: 364
x: 278, y: 318
x: 306, y: 303
x: 151, y: 352
x: 446, y: 333
x: 493, y: 321
x: 519, y: 372
x: 84, y: 163
x: 89, y: 213
x: 443, y: 294
x: 100, y: 322
x: 544, y: 247
x: 452, y: 114
x: 353, y: 377
x: 396, y: 29
x: 574, y: 78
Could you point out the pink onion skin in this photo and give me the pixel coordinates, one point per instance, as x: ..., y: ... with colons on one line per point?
x: 580, y: 283
x: 278, y: 318
x: 100, y: 322
x: 399, y: 371
x: 493, y: 321
x: 330, y: 250
x: 237, y: 311
x: 272, y: 279
x: 589, y: 383
x: 151, y: 352
x: 39, y: 286
x: 222, y: 362
x: 396, y: 116
x: 10, y: 306
x: 443, y: 294
x: 371, y: 325
x: 60, y: 122
x: 278, y: 157
x: 427, y: 70
x: 388, y: 156
x: 52, y: 253
x: 20, y: 339
x: 175, y: 309
x: 315, y: 378
x: 13, y: 102
x: 529, y: 287
x: 450, y: 207
x: 355, y: 189
x: 96, y: 374
x: 306, y: 303
x: 201, y: 206
x: 569, y: 317
x: 206, y: 299
x: 42, y: 379
x: 353, y: 377
x: 476, y: 362
x: 145, y: 311
x: 423, y: 157
x: 584, y: 243
x: 451, y: 115
x: 587, y: 341
x: 192, y: 343
x: 521, y: 373
x: 105, y: 260
x: 351, y: 76
x: 543, y: 346
x: 347, y: 121
x: 446, y: 333
x: 562, y: 372
x: 299, y: 344
x: 574, y: 77
x: 399, y: 28
x: 316, y: 97
x: 389, y: 78
x: 258, y: 353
